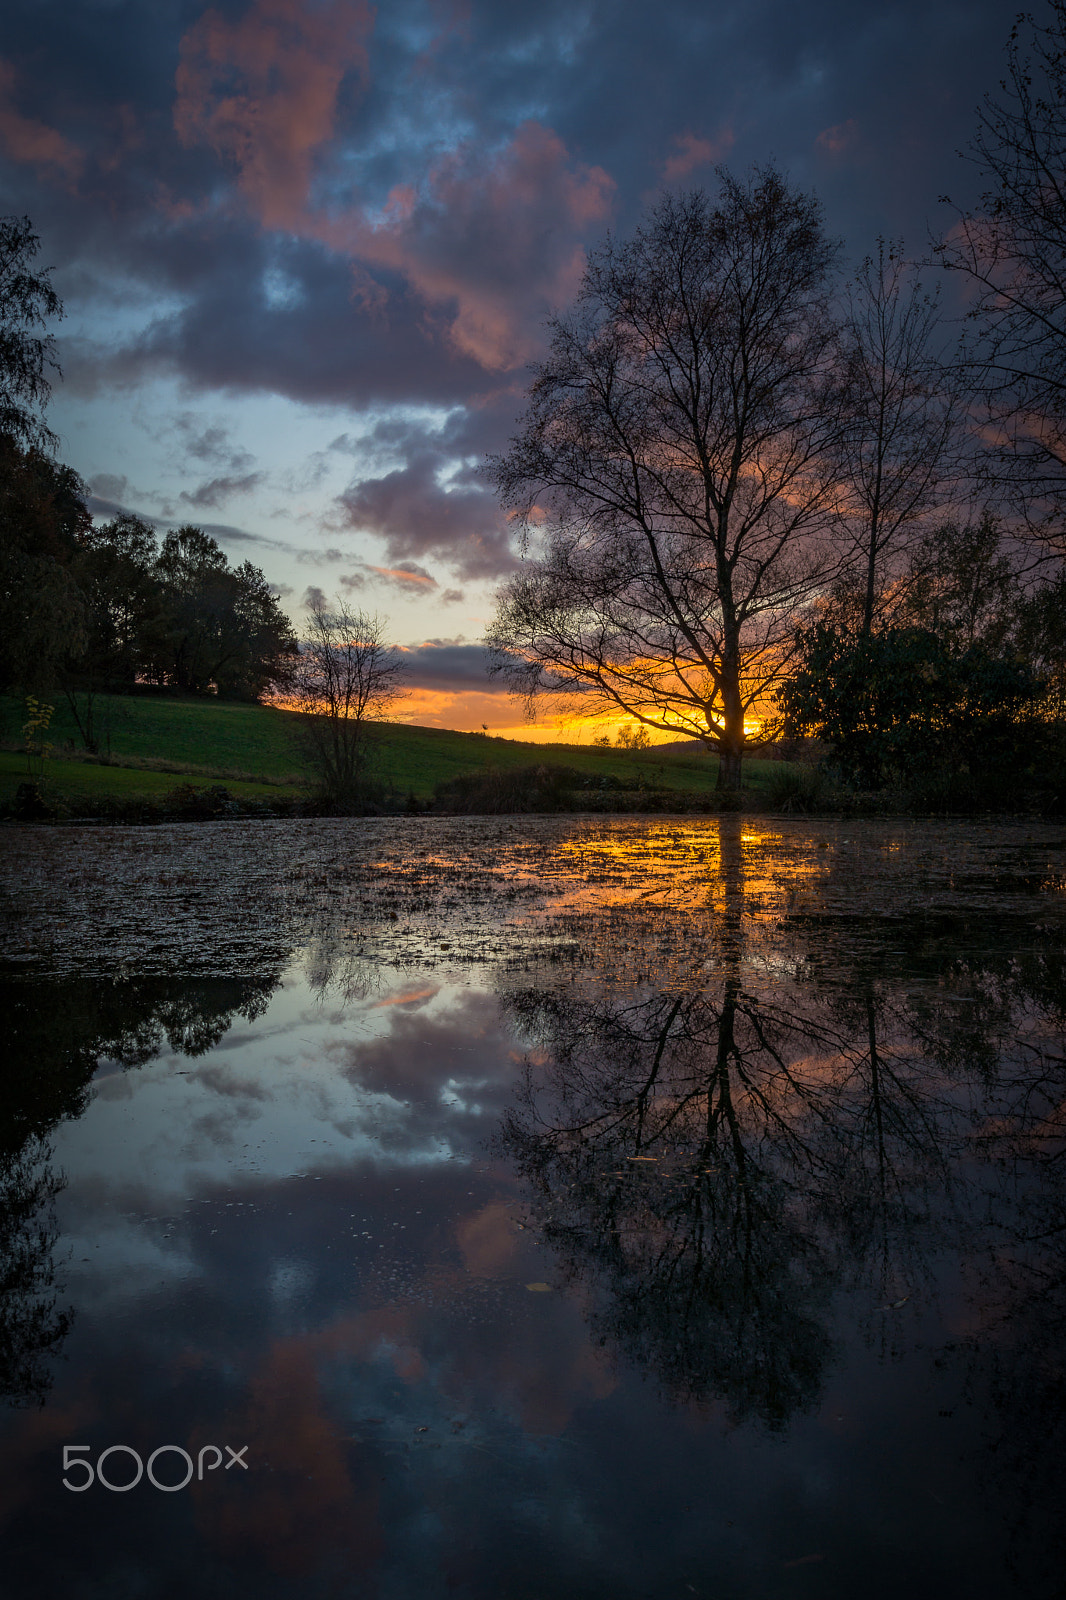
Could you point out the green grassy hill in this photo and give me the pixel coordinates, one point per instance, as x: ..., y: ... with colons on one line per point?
x: 151, y: 742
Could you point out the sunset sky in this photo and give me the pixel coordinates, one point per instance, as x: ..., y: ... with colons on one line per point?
x: 306, y: 250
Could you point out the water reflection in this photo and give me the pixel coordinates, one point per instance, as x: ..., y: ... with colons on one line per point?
x: 718, y: 1157
x: 32, y: 1326
x: 56, y: 1037
x: 697, y: 1209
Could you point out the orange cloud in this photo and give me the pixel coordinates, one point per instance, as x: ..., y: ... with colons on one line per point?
x: 410, y: 996
x: 468, y: 711
x: 692, y: 152
x: 407, y: 574
x: 262, y: 91
x: 839, y: 136
x: 32, y: 142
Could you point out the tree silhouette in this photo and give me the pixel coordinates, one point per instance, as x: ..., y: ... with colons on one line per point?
x: 677, y: 444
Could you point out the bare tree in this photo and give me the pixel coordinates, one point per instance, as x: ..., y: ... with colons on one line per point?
x: 673, y: 468
x: 903, y: 406
x: 345, y: 677
x: 1013, y: 254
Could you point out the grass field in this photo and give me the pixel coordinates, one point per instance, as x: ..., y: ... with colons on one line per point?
x: 255, y: 750
x: 73, y: 779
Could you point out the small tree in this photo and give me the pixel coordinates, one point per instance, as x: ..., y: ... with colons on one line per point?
x: 345, y: 677
x: 902, y: 413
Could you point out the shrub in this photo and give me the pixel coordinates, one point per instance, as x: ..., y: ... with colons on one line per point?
x: 496, y: 793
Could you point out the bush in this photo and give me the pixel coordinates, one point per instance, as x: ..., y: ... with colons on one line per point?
x: 903, y: 707
x: 30, y: 804
x: 496, y: 793
x: 799, y: 789
x: 201, y: 805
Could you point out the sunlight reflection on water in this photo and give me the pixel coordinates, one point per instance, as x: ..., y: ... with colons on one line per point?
x: 566, y: 1208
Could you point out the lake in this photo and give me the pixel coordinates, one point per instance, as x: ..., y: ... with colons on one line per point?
x: 528, y: 1208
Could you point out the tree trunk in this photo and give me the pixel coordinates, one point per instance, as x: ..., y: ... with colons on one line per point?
x: 731, y: 741
x: 729, y: 764
x: 871, y: 587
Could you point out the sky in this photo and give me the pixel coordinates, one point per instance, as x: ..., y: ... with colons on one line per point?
x: 307, y: 247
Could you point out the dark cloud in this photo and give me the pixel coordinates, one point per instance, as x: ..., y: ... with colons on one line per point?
x: 335, y: 206
x: 109, y: 509
x: 466, y: 1044
x: 208, y: 442
x: 224, y: 532
x: 111, y: 486
x: 216, y: 490
x: 459, y: 522
x: 447, y: 665
x: 327, y: 556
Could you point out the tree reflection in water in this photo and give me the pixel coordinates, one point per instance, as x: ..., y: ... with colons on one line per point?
x: 717, y: 1157
x: 56, y: 1035
x: 32, y: 1327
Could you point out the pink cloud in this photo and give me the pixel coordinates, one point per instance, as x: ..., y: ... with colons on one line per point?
x: 490, y: 241
x: 692, y: 152
x: 839, y: 136
x: 487, y: 233
x: 27, y: 140
x: 262, y: 91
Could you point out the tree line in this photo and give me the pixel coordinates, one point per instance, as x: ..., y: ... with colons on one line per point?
x: 765, y: 497
x: 762, y: 497
x: 88, y: 608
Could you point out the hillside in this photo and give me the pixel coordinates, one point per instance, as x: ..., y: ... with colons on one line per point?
x: 149, y: 742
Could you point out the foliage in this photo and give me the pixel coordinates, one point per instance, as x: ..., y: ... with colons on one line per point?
x: 97, y: 608
x: 344, y: 677
x: 677, y: 439
x: 1012, y: 254
x: 178, y: 617
x: 539, y: 788
x: 220, y: 628
x: 42, y: 518
x: 545, y: 788
x: 84, y: 789
x: 962, y: 586
x: 957, y: 694
x: 38, y: 749
x: 27, y: 303
x: 801, y: 789
x: 901, y: 703
x: 1040, y: 635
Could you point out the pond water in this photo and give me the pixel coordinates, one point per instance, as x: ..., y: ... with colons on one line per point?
x: 559, y: 1208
